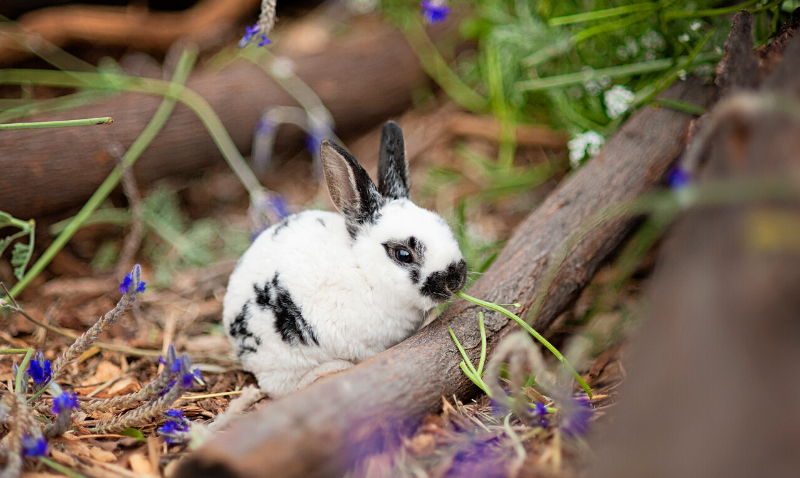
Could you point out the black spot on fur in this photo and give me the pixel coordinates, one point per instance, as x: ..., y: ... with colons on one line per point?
x: 440, y: 285
x: 289, y: 321
x: 281, y: 226
x: 415, y: 275
x: 393, y: 174
x: 244, y: 337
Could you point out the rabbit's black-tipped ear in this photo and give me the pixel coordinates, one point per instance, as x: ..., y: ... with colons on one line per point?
x: 351, y: 189
x: 393, y: 175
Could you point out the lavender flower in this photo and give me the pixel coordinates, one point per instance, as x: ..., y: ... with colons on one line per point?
x: 434, y: 11
x: 263, y: 27
x: 125, y: 286
x: 267, y: 208
x: 187, y: 375
x: 176, y: 429
x: 577, y: 420
x: 130, y: 287
x: 679, y: 178
x: 40, y: 371
x: 145, y: 413
x: 33, y: 446
x: 65, y: 403
x: 539, y: 412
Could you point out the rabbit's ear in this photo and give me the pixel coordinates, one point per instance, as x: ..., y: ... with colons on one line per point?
x: 393, y: 175
x: 351, y: 189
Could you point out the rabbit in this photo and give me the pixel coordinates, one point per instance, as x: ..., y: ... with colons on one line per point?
x: 320, y: 292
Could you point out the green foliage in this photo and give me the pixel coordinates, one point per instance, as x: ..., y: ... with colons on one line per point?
x: 172, y: 241
x: 555, y: 41
x: 21, y: 253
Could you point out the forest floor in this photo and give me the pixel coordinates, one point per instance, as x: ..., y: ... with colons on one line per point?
x: 183, y: 306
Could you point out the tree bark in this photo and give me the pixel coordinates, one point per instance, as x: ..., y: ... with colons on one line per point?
x: 362, y: 78
x: 713, y: 379
x: 323, y: 429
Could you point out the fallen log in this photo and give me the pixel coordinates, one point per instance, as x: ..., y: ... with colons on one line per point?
x: 128, y: 26
x: 323, y: 429
x: 713, y: 378
x: 362, y: 78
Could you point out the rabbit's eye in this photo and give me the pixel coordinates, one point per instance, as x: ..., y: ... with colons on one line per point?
x: 402, y: 255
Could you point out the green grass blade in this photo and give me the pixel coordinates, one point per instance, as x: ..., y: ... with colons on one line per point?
x: 56, y: 124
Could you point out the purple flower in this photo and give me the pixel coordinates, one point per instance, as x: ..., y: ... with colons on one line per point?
x: 313, y: 144
x: 278, y: 206
x: 125, y: 286
x: 254, y: 31
x: 176, y: 366
x: 264, y: 126
x: 249, y: 32
x: 40, y: 370
x: 167, y: 388
x: 540, y: 412
x: 679, y: 178
x: 434, y: 11
x: 32, y: 447
x: 140, y: 289
x: 176, y: 428
x: 577, y: 420
x: 64, y: 403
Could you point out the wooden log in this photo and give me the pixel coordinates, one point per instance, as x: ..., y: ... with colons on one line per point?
x: 323, y: 429
x: 713, y: 378
x: 130, y: 26
x: 362, y: 78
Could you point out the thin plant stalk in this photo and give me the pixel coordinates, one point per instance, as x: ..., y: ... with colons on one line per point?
x: 602, y: 14
x: 611, y: 72
x: 21, y: 370
x: 61, y: 468
x: 435, y: 66
x: 530, y: 330
x: 57, y: 124
x: 137, y: 148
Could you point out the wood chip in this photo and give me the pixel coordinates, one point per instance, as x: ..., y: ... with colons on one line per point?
x: 61, y: 457
x: 101, y: 455
x: 124, y: 386
x: 140, y: 464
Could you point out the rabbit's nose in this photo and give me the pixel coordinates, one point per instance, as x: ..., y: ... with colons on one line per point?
x: 456, y: 275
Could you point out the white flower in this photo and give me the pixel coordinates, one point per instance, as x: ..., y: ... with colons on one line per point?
x: 617, y: 101
x: 631, y: 46
x: 684, y: 38
x: 652, y: 40
x: 581, y: 145
x: 682, y: 75
x: 695, y: 25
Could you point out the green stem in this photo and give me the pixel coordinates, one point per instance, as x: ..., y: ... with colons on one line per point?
x: 529, y: 329
x: 56, y: 124
x: 435, y: 66
x: 483, y: 344
x: 61, y: 468
x: 709, y: 12
x: 601, y: 14
x: 13, y: 351
x: 21, y: 370
x: 611, y: 72
x: 468, y: 368
x: 148, y: 134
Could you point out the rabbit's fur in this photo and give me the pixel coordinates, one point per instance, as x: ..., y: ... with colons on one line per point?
x: 320, y: 292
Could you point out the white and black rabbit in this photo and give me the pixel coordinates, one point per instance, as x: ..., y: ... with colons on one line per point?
x: 320, y: 292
